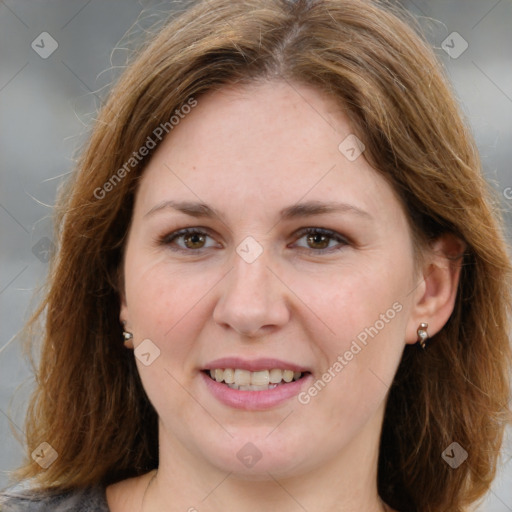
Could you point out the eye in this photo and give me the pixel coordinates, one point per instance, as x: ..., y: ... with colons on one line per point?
x: 193, y: 239
x: 320, y: 239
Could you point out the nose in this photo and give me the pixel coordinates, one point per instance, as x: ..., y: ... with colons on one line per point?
x: 254, y: 301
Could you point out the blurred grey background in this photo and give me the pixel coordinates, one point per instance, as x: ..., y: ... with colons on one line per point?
x: 56, y: 65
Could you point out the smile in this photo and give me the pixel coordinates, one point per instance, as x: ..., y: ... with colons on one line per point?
x: 245, y: 380
x: 254, y: 390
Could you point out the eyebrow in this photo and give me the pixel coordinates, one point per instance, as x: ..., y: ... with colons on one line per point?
x: 299, y: 210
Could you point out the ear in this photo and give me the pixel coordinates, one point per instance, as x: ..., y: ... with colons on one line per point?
x: 126, y: 326
x: 123, y: 310
x: 437, y: 286
x: 119, y: 285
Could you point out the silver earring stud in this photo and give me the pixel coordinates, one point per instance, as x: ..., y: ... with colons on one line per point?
x: 422, y: 334
x: 128, y: 336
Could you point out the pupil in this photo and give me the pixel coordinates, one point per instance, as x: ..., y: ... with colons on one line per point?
x: 315, y: 239
x: 195, y: 238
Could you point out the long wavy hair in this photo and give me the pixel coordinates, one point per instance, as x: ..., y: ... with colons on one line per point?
x: 89, y: 403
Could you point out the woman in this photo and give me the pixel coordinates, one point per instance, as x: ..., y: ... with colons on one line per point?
x: 282, y: 214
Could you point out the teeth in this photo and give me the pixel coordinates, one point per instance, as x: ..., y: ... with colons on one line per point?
x: 242, y: 377
x: 229, y: 376
x: 288, y: 375
x: 276, y: 376
x: 244, y: 380
x: 260, y: 378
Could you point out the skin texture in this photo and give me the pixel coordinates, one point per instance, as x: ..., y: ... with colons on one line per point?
x: 249, y: 152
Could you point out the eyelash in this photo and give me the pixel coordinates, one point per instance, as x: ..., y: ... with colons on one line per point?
x: 333, y: 235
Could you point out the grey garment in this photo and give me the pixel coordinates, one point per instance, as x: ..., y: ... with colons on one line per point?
x: 92, y: 499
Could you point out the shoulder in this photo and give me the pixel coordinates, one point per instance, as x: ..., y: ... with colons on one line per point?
x: 91, y: 499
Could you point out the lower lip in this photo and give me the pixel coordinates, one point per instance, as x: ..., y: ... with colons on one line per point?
x: 254, y: 400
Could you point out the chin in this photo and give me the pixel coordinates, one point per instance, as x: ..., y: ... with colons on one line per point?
x: 251, y: 458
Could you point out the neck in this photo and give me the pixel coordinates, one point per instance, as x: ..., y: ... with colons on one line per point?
x: 347, y: 482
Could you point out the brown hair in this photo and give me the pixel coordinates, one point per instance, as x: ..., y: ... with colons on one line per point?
x: 89, y: 403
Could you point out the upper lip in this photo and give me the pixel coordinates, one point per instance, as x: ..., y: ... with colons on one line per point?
x: 254, y: 365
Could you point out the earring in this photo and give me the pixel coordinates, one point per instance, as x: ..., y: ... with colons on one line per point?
x: 128, y: 336
x: 422, y: 334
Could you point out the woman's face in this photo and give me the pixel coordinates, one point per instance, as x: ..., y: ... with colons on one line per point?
x: 251, y: 291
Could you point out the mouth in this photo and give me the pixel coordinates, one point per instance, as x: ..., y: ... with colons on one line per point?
x: 254, y: 384
x: 262, y: 380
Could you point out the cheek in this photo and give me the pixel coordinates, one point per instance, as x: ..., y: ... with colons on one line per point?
x: 163, y: 301
x: 360, y: 332
x: 351, y: 300
x: 361, y: 358
x: 164, y: 306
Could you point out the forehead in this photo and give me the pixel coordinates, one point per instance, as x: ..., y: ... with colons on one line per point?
x: 264, y: 145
